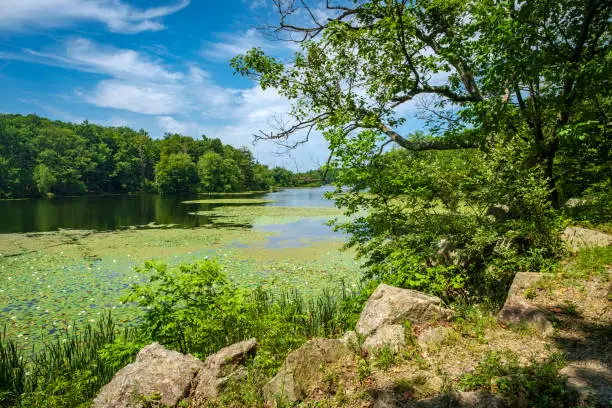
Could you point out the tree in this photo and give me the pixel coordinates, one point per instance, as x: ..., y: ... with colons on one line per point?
x: 218, y: 174
x: 44, y: 179
x: 536, y: 69
x: 511, y: 92
x: 175, y: 174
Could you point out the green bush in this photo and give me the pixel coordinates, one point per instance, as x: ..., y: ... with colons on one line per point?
x: 458, y: 225
x: 194, y: 308
x: 536, y: 385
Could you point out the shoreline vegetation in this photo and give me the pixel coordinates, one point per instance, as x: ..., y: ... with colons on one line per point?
x: 44, y: 158
x: 69, y: 370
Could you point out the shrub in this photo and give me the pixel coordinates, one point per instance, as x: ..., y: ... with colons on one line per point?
x: 539, y: 383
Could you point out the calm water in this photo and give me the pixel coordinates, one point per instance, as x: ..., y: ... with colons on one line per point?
x: 112, y: 212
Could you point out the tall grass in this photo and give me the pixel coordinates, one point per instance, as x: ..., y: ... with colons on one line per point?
x: 12, y: 371
x: 67, y: 371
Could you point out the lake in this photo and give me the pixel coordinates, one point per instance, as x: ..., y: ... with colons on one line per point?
x: 112, y: 212
x: 66, y: 262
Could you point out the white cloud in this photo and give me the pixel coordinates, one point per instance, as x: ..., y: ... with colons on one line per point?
x: 149, y: 99
x: 172, y: 125
x: 231, y: 44
x: 116, y: 15
x: 86, y: 55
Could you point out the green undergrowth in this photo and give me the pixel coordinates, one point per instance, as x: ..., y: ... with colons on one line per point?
x: 193, y: 308
x: 589, y: 262
x: 68, y: 370
x: 537, y: 385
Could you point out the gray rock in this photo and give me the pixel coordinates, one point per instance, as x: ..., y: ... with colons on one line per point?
x: 301, y: 371
x: 218, y: 369
x: 389, y: 307
x: 157, y: 374
x: 433, y: 336
x: 500, y: 212
x: 518, y: 309
x: 578, y: 238
x: 392, y: 336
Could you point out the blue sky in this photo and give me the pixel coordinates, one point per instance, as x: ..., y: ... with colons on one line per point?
x: 158, y: 65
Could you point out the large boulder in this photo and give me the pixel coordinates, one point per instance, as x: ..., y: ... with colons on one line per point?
x: 301, y: 371
x: 518, y: 309
x: 381, y: 321
x: 578, y: 237
x: 159, y: 375
x: 219, y: 368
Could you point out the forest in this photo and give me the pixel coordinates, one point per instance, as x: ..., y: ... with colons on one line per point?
x: 40, y: 157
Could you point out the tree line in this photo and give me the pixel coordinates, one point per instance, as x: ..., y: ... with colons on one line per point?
x: 40, y: 157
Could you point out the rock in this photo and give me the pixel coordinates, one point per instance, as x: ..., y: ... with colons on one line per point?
x: 392, y: 336
x: 433, y: 336
x: 475, y: 399
x: 218, y: 369
x: 157, y: 373
x: 389, y: 307
x: 500, y: 213
x: 576, y: 202
x: 578, y: 237
x: 518, y: 309
x: 446, y: 254
x: 351, y: 339
x: 301, y: 371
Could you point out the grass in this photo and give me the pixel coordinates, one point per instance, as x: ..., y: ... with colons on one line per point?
x: 66, y: 372
x: 589, y: 262
x: 69, y: 370
x: 538, y: 384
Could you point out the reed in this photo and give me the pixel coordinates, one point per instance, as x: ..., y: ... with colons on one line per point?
x: 70, y: 354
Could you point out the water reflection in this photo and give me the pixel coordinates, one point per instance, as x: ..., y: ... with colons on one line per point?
x: 111, y: 212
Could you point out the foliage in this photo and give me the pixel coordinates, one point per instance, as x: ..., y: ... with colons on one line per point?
x: 537, y: 385
x: 175, y: 174
x: 432, y: 221
x: 44, y: 179
x: 43, y: 157
x: 196, y: 309
x: 514, y: 97
x: 218, y: 174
